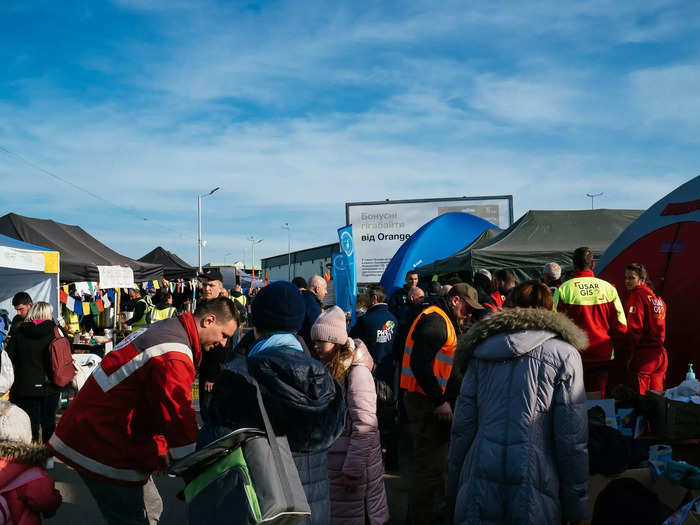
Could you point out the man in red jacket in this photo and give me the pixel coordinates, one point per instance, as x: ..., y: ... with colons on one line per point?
x: 135, y: 411
x: 594, y: 305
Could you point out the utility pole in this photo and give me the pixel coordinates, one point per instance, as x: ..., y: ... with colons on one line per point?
x: 253, y: 242
x: 289, y: 251
x: 199, y: 227
x: 593, y: 196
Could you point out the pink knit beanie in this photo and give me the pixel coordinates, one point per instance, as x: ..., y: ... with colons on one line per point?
x: 330, y: 326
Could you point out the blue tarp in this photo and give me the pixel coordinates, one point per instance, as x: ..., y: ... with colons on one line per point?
x: 441, y: 237
x: 14, y: 243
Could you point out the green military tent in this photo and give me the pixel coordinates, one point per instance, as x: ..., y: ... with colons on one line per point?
x: 460, y: 260
x: 539, y: 237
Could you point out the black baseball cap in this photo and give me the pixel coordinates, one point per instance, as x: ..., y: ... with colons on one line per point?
x: 212, y: 274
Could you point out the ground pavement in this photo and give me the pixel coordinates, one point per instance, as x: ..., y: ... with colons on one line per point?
x: 79, y: 506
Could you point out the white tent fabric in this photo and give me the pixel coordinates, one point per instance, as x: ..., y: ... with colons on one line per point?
x: 24, y: 268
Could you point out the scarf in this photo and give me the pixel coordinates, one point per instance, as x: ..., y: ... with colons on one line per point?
x: 283, y: 339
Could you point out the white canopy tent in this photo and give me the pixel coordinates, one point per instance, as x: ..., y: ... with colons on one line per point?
x: 28, y: 268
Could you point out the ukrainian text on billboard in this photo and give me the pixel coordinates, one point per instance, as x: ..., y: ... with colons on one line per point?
x: 380, y: 228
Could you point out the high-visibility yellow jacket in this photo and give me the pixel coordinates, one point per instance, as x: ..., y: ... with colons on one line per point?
x: 594, y: 305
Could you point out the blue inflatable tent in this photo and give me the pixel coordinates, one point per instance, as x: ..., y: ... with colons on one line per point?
x: 443, y: 236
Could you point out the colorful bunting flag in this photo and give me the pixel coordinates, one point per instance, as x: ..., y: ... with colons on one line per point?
x: 93, y: 309
x: 100, y: 305
x: 86, y: 308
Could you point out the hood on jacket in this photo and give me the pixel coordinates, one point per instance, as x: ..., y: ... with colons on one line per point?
x: 31, y: 454
x: 362, y: 357
x: 303, y: 400
x: 36, y: 331
x: 519, y: 331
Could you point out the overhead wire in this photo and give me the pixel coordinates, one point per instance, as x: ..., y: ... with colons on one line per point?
x: 80, y: 188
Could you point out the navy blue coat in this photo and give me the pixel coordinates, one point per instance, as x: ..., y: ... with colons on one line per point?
x: 313, y: 310
x: 304, y: 403
x: 377, y: 329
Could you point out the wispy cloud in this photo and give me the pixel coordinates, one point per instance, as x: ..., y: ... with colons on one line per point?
x: 296, y: 108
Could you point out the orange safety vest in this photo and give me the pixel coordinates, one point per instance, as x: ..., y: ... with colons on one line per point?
x: 442, y: 364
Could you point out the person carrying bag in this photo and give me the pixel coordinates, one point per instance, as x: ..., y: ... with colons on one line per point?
x: 246, y: 477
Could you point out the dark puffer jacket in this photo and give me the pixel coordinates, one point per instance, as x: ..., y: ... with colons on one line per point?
x: 29, y: 352
x: 518, y: 452
x: 304, y: 403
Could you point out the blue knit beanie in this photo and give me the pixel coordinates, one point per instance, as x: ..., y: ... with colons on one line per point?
x: 278, y: 306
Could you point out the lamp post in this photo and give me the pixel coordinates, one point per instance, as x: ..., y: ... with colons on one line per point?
x: 253, y: 242
x: 593, y: 196
x: 289, y: 251
x: 199, y: 226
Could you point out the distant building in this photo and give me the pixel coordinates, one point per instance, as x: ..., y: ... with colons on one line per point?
x: 305, y: 263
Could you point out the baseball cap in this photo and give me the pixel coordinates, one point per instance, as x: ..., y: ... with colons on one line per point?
x: 213, y: 274
x: 468, y: 294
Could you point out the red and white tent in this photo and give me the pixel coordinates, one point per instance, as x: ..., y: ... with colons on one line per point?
x: 666, y: 239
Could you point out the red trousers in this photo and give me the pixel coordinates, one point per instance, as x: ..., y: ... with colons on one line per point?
x: 647, y: 369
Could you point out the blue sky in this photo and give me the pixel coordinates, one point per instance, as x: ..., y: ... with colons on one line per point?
x: 295, y: 108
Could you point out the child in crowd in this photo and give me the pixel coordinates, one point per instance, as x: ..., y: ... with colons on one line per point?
x: 355, y: 468
x: 27, y: 492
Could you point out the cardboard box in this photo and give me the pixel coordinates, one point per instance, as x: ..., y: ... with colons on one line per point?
x: 673, y: 419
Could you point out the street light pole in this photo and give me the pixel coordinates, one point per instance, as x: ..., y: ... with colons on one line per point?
x: 253, y: 242
x: 593, y: 196
x: 289, y: 251
x: 199, y: 227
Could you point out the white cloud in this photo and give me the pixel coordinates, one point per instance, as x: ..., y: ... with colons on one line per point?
x: 434, y: 123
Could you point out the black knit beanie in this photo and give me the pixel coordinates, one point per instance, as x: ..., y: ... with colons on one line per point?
x: 278, y: 306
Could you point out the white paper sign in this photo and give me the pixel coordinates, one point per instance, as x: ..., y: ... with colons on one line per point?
x: 21, y: 259
x: 116, y: 277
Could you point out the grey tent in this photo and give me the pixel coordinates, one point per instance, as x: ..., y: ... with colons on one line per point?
x: 539, y: 237
x: 80, y: 252
x: 174, y: 267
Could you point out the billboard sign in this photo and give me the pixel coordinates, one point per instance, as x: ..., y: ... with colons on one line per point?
x: 381, y: 227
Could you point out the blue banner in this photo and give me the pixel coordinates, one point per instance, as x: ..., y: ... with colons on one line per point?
x: 348, y: 274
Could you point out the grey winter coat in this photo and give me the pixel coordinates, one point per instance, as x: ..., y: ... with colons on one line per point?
x: 518, y: 451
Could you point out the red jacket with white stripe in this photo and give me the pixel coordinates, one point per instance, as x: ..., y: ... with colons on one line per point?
x: 135, y: 406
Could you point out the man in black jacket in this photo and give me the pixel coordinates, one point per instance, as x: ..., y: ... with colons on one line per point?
x: 22, y: 303
x: 312, y: 300
x: 377, y: 329
x: 212, y: 287
x: 426, y: 370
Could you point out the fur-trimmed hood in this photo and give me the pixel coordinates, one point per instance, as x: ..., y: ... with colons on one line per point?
x: 28, y: 454
x: 522, y: 329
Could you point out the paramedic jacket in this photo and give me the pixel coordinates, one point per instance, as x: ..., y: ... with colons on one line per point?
x: 136, y: 406
x: 594, y: 305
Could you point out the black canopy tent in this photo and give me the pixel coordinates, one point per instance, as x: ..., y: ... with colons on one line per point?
x: 537, y: 238
x: 174, y: 267
x: 80, y: 252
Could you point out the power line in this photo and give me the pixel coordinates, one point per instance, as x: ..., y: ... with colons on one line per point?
x: 50, y: 174
x: 80, y: 188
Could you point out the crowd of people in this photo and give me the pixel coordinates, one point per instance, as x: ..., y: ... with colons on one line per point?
x: 483, y: 381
